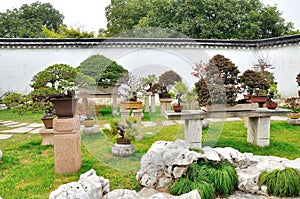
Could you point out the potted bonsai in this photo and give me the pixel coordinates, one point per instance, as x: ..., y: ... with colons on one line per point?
x: 180, y: 91
x: 293, y: 104
x: 270, y: 104
x: 129, y: 89
x: 126, y: 132
x: 217, y: 82
x: 90, y: 115
x: 57, y: 84
x: 255, y: 85
x: 48, y: 116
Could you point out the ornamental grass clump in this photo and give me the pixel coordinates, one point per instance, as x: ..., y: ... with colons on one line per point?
x: 283, y: 183
x: 223, y: 176
x: 194, y: 179
x: 209, y: 179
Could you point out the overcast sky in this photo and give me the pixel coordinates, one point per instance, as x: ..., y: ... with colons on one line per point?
x: 90, y: 14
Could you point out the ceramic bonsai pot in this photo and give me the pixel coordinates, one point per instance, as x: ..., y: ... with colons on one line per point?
x: 89, y: 122
x: 65, y: 107
x: 271, y: 105
x: 48, y: 122
x: 177, y: 108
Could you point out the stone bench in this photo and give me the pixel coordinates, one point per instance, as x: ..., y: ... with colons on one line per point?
x: 258, y: 123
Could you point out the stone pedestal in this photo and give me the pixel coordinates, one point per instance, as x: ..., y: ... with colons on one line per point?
x: 193, y: 133
x: 259, y: 131
x: 123, y: 150
x: 67, y: 145
x: 153, y: 105
x: 294, y: 122
x: 47, y: 135
x: 125, y: 113
x: 165, y: 105
x: 147, y: 95
x: 137, y: 113
x: 91, y: 130
x: 114, y: 104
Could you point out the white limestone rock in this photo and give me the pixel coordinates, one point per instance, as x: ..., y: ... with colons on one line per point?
x: 122, y: 194
x: 1, y: 154
x: 248, y: 179
x: 228, y: 154
x: 148, y: 194
x: 157, y: 165
x: 89, y: 186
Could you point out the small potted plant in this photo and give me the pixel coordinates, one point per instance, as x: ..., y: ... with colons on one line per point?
x: 126, y: 132
x: 180, y: 91
x: 293, y: 104
x: 90, y: 115
x: 270, y: 104
x: 48, y: 116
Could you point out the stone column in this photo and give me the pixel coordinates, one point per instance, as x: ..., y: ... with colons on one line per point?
x: 165, y: 105
x: 147, y: 95
x: 153, y: 105
x: 259, y: 131
x: 114, y: 104
x: 67, y: 145
x: 137, y: 113
x: 125, y: 113
x: 193, y: 133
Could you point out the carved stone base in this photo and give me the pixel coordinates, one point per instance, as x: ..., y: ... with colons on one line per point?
x: 123, y: 150
x: 90, y: 130
x: 294, y: 122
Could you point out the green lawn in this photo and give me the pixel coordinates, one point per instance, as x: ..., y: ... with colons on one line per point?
x: 27, y: 168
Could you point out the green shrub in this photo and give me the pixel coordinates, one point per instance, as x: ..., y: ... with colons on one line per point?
x: 222, y: 175
x: 283, y: 183
x: 194, y: 179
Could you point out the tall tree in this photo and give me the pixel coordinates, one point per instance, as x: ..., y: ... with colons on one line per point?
x: 28, y: 20
x: 213, y: 19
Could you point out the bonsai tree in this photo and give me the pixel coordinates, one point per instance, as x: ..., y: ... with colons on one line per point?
x: 217, y: 81
x: 181, y: 91
x: 104, y: 71
x: 254, y: 83
x: 293, y: 104
x: 149, y: 81
x: 130, y: 87
x: 126, y: 131
x: 165, y: 83
x: 168, y: 79
x: 57, y: 80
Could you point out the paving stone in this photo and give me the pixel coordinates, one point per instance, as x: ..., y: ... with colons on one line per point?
x: 5, y: 136
x: 35, y: 125
x: 180, y: 121
x: 18, y: 125
x: 35, y: 131
x: 107, y: 126
x: 10, y: 123
x: 17, y: 130
x: 167, y: 123
x: 149, y: 124
x: 149, y: 133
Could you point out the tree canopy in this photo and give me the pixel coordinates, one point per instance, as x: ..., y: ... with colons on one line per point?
x: 209, y: 19
x: 28, y: 20
x: 105, y: 71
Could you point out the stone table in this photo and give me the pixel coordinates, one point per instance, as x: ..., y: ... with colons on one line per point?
x: 258, y: 123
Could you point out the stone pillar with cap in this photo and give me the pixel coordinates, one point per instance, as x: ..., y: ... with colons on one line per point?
x: 67, y: 145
